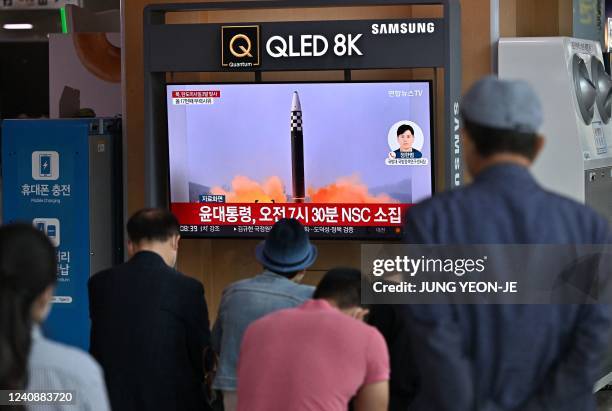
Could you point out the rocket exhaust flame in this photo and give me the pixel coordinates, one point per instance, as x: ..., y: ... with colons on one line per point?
x: 245, y: 190
x: 343, y: 190
x: 347, y: 190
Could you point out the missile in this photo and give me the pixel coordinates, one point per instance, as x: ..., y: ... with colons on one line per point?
x: 297, y: 150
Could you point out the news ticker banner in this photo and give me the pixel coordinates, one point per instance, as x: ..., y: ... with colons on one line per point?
x: 486, y: 274
x: 320, y: 220
x: 309, y: 214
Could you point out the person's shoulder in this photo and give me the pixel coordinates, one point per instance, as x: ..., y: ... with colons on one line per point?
x: 276, y: 320
x: 65, y: 361
x: 428, y: 220
x: 115, y: 272
x: 183, y: 279
x: 101, y: 275
x: 240, y: 284
x: 244, y: 285
x: 368, y: 334
x: 274, y: 316
x: 304, y: 291
x: 183, y: 283
x: 281, y: 286
x: 374, y: 336
x: 438, y: 202
x: 360, y: 326
x: 105, y: 273
x: 585, y: 216
x: 571, y: 205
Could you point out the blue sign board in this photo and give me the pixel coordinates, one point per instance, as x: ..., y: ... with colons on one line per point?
x: 589, y: 20
x: 45, y: 165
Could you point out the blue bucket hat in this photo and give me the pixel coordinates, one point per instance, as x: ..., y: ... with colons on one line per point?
x: 287, y: 248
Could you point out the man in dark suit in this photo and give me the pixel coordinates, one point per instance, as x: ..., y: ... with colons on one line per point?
x: 149, y: 322
x: 502, y: 357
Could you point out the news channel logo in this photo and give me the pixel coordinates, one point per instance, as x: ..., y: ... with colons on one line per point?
x: 45, y: 165
x: 240, y: 46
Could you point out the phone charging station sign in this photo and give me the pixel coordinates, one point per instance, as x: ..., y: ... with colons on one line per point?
x: 46, y: 184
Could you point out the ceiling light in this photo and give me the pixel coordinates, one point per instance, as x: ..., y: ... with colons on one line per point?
x: 18, y: 26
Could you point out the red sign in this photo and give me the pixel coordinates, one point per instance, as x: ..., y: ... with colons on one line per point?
x: 375, y: 215
x: 197, y: 94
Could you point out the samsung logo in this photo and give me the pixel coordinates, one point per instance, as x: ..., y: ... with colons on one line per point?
x: 456, y: 138
x: 403, y: 28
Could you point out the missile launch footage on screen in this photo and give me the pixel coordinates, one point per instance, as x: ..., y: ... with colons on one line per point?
x: 302, y: 143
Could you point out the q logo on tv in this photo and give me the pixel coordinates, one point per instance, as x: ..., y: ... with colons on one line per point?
x: 240, y: 46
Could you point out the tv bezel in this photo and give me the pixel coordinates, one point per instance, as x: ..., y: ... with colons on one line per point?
x: 241, y: 236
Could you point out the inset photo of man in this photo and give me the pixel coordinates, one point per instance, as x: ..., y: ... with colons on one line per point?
x: 406, y: 140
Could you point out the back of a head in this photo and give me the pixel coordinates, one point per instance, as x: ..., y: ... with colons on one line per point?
x: 152, y: 224
x: 342, y: 286
x: 27, y: 268
x: 502, y: 116
x: 287, y: 249
x: 288, y: 232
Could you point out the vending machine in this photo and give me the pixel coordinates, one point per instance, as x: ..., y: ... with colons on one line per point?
x: 64, y: 178
x: 576, y: 92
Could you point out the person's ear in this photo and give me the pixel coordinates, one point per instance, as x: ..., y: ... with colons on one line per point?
x: 466, y: 140
x: 175, y: 242
x: 361, y: 313
x: 357, y: 313
x: 131, y: 248
x: 467, y: 145
x: 471, y: 157
x: 299, y: 277
x: 539, y: 146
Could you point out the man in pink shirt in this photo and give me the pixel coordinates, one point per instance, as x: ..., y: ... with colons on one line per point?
x: 317, y: 356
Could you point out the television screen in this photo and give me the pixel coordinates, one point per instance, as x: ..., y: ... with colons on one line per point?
x: 346, y: 159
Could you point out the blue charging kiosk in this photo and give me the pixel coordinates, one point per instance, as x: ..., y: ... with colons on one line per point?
x: 64, y: 177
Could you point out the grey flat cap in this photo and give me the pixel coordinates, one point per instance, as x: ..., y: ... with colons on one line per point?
x: 503, y: 104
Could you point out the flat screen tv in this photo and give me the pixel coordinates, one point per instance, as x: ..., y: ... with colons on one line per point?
x: 346, y: 159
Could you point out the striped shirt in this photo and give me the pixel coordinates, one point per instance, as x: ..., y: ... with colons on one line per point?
x: 53, y: 366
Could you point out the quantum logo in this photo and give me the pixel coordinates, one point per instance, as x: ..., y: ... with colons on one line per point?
x: 240, y: 46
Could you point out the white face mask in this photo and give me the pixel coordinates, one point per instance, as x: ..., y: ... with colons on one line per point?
x: 45, y: 312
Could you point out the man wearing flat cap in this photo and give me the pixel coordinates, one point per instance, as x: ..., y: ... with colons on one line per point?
x: 285, y: 255
x: 501, y: 357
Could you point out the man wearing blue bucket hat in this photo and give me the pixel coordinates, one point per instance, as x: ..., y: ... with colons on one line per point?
x: 285, y: 255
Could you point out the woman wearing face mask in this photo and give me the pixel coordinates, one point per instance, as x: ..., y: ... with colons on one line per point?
x: 27, y: 359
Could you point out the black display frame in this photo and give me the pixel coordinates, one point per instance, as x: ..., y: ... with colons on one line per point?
x: 156, y: 32
x: 432, y: 142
